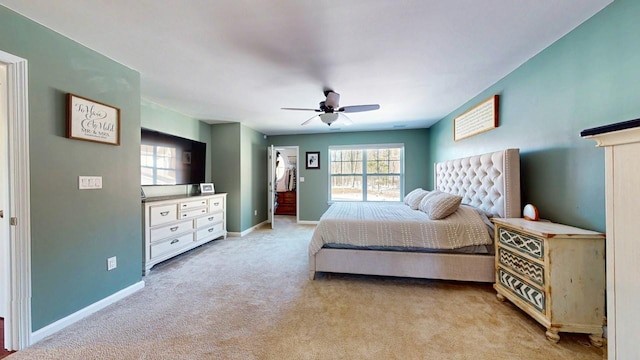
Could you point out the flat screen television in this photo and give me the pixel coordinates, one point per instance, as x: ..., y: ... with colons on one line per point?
x: 171, y: 160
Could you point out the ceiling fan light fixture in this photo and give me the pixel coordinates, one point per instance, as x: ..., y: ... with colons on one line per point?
x: 331, y: 111
x: 329, y: 118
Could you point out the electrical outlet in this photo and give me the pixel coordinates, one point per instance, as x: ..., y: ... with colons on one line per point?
x: 112, y: 263
x: 255, y: 212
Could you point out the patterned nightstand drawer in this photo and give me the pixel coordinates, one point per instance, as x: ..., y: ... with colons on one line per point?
x: 521, y: 289
x: 524, y: 243
x: 553, y: 272
x: 522, y: 266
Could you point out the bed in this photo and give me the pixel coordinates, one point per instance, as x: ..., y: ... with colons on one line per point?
x: 353, y: 238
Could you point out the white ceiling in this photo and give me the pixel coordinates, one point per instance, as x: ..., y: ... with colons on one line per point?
x: 241, y: 61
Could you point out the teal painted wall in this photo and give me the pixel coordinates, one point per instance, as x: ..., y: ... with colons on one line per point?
x: 253, y: 178
x: 226, y: 174
x: 160, y: 118
x: 588, y: 78
x: 313, y: 192
x: 239, y: 163
x: 74, y: 232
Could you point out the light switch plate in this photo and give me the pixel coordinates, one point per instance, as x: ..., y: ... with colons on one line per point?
x: 112, y: 263
x: 89, y: 182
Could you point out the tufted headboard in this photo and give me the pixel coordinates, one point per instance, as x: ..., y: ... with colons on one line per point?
x: 490, y: 182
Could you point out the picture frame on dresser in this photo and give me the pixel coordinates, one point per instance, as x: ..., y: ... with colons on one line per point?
x: 207, y: 188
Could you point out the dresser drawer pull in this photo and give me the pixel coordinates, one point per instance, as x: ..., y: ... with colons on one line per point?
x: 211, y: 230
x: 164, y: 213
x: 216, y: 204
x: 173, y: 229
x: 211, y: 218
x: 184, y: 205
x: 174, y: 241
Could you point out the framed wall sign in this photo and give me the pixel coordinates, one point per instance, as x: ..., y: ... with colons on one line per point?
x: 313, y: 160
x: 480, y: 118
x: 92, y: 121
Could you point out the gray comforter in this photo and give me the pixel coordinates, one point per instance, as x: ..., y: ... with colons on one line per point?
x: 396, y: 225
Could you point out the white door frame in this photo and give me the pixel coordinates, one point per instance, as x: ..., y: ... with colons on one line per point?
x: 18, y: 320
x: 270, y: 185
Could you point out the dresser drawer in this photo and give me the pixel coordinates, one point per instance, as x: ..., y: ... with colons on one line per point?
x: 170, y: 245
x: 207, y: 232
x: 162, y: 214
x: 192, y: 213
x: 523, y: 243
x: 170, y: 230
x: 210, y: 219
x: 193, y: 204
x: 216, y: 204
x: 522, y: 266
x: 287, y: 197
x: 521, y: 289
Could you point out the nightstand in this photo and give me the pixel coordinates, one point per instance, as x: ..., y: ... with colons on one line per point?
x: 553, y: 272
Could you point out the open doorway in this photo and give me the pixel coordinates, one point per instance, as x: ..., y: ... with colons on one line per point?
x: 285, y: 185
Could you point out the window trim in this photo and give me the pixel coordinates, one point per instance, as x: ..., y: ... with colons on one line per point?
x: 364, y: 148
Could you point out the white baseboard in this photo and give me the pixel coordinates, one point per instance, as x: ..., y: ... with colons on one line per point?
x: 83, y: 313
x: 306, y: 222
x: 248, y: 231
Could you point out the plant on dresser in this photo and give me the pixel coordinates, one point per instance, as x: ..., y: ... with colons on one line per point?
x: 177, y: 224
x: 553, y: 272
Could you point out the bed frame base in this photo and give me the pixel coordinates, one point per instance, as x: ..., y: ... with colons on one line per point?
x: 462, y: 267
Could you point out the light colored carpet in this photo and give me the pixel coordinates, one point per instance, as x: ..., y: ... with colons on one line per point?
x: 251, y: 298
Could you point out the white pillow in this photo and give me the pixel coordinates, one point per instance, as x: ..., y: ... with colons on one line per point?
x: 413, y: 198
x: 438, y: 205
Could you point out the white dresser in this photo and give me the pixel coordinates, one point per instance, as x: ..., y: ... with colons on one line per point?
x: 173, y: 225
x: 622, y: 176
x: 553, y: 272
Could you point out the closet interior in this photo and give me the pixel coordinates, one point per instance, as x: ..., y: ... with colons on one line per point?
x: 285, y: 182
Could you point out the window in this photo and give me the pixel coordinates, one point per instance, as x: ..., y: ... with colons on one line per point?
x: 158, y: 164
x: 366, y: 172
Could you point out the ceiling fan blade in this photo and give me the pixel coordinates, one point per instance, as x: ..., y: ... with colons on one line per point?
x: 302, y: 109
x: 359, y: 108
x: 308, y: 121
x: 344, y: 120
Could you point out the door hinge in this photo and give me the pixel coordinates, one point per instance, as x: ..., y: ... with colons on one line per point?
x: 14, y: 221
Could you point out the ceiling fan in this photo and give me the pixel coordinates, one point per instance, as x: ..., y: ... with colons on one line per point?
x: 331, y: 109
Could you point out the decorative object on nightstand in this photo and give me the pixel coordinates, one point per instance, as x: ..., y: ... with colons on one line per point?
x: 530, y: 212
x: 554, y: 273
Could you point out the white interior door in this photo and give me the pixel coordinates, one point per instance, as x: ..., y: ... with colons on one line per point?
x: 271, y: 165
x: 4, y: 206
